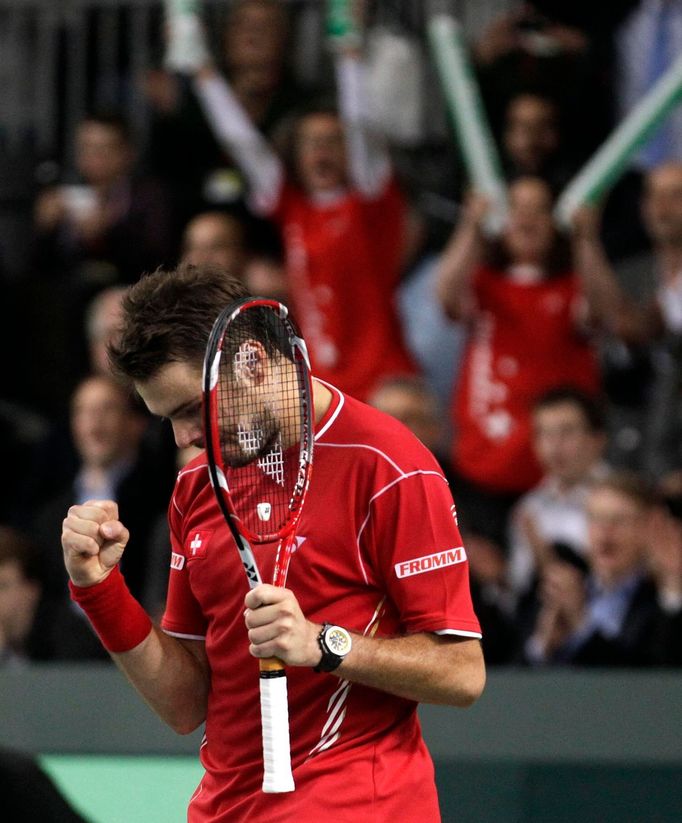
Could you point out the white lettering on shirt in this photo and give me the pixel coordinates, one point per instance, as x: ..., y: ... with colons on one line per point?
x: 430, y: 562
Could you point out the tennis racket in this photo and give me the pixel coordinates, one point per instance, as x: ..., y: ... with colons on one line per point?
x: 258, y: 421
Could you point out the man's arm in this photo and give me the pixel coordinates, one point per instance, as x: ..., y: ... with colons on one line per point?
x: 172, y: 675
x: 608, y: 306
x: 429, y: 668
x: 234, y: 130
x: 369, y: 164
x: 459, y: 259
x: 188, y: 53
x: 425, y: 667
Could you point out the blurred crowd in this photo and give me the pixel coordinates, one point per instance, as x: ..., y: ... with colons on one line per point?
x: 541, y: 365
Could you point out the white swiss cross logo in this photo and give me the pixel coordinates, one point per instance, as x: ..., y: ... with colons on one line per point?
x: 196, y: 544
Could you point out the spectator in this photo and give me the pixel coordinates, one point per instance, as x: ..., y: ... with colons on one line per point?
x: 34, y: 624
x: 569, y: 440
x: 265, y: 275
x: 255, y: 47
x: 221, y: 239
x: 253, y: 57
x: 528, y: 48
x: 532, y: 139
x: 409, y: 399
x: 218, y: 239
x: 563, y: 52
x: 648, y: 392
x: 342, y: 217
x: 609, y: 616
x: 664, y: 560
x: 623, y: 60
x: 107, y: 431
x: 115, y: 224
x: 531, y: 298
x: 102, y: 325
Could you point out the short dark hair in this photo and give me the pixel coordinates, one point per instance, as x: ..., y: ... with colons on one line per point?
x: 590, y: 407
x: 628, y: 484
x: 286, y: 135
x: 112, y: 120
x: 168, y: 316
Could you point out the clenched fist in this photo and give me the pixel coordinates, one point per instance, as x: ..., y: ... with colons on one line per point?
x: 93, y: 540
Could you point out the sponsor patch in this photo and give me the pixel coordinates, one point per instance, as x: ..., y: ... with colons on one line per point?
x: 196, y: 544
x: 177, y: 561
x: 430, y: 562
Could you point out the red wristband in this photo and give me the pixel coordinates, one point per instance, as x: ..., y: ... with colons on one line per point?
x: 119, y: 620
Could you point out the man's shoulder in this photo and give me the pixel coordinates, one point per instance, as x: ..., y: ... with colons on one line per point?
x: 193, y: 474
x: 367, y: 434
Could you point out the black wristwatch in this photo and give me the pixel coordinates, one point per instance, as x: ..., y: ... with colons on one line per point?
x: 335, y: 643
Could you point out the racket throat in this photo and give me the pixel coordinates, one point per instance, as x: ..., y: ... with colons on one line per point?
x: 282, y: 560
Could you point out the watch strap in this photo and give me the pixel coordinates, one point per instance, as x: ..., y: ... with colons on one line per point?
x: 330, y: 660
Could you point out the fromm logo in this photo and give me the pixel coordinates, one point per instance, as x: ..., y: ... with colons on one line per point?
x: 449, y: 557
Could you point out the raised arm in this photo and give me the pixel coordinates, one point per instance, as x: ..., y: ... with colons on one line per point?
x: 240, y: 138
x: 187, y: 53
x: 170, y: 674
x: 368, y: 160
x: 608, y: 307
x: 425, y: 667
x: 459, y: 260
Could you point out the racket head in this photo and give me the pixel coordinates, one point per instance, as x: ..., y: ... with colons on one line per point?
x: 258, y: 418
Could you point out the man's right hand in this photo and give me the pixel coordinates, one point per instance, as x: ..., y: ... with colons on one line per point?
x: 93, y: 540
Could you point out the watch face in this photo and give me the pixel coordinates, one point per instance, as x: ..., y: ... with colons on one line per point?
x: 338, y: 640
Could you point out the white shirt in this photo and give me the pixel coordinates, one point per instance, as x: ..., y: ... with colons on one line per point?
x: 559, y: 516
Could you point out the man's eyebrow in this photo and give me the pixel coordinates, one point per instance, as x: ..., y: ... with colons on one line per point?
x: 188, y: 404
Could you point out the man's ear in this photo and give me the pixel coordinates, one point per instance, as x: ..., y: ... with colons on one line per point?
x: 249, y: 363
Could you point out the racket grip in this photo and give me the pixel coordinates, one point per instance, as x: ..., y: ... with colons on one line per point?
x: 274, y: 707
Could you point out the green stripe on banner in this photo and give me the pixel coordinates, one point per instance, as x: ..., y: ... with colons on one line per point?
x: 183, y: 6
x: 609, y: 161
x: 118, y: 789
x: 466, y: 111
x: 341, y: 23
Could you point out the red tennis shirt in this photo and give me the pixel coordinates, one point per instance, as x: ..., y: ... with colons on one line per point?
x: 379, y: 552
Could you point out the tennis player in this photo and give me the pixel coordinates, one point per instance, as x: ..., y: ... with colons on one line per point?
x: 377, y: 615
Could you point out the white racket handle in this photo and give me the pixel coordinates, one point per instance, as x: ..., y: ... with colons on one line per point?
x: 274, y: 707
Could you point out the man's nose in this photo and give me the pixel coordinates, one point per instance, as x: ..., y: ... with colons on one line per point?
x: 188, y: 434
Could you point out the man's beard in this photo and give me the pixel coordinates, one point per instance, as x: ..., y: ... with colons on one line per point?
x: 253, y: 443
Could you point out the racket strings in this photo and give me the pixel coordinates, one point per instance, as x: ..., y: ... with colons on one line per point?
x: 260, y: 419
x: 273, y: 464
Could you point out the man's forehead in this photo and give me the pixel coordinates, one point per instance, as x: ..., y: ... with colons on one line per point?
x: 606, y: 499
x: 665, y: 178
x: 174, y: 385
